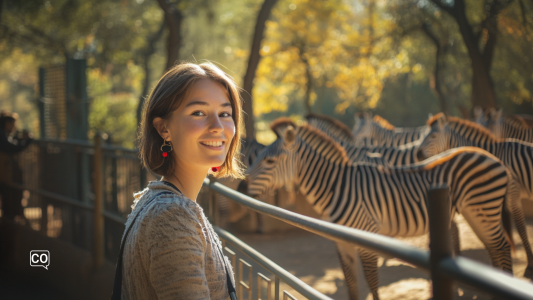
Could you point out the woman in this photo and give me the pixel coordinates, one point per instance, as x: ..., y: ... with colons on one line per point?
x: 190, y: 126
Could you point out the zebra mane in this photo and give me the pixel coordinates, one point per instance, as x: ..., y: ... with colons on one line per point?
x: 281, y: 122
x: 324, y: 139
x: 383, y: 123
x: 435, y: 118
x: 517, y: 121
x: 329, y: 119
x: 478, y: 127
x: 445, y: 156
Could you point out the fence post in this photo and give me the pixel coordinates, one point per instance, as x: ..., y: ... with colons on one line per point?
x: 213, y: 203
x: 98, y: 203
x: 440, y: 241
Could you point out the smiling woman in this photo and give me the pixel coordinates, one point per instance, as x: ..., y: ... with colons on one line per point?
x: 190, y: 127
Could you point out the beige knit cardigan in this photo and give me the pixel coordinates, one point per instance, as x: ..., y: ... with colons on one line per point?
x: 171, y: 250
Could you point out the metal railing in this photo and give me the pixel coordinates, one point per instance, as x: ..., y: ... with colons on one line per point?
x: 95, y: 166
x: 444, y: 268
x: 95, y: 206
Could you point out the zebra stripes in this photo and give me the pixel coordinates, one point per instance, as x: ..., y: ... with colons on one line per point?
x: 516, y: 155
x: 403, y: 155
x: 511, y: 126
x: 389, y: 201
x: 382, y: 133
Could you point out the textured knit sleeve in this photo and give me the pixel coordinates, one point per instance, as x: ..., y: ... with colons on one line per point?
x: 177, y: 253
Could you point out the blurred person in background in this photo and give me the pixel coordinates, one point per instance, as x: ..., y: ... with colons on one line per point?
x: 12, y: 141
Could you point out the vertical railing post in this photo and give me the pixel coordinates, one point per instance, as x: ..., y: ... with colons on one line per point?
x: 213, y: 203
x: 98, y: 203
x: 440, y: 240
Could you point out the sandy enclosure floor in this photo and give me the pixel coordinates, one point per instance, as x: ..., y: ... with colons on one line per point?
x: 314, y: 260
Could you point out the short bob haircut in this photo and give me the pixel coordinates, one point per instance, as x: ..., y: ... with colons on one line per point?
x: 166, y: 97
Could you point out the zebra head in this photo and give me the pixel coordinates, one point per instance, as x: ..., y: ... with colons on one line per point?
x: 489, y: 118
x: 495, y: 121
x: 276, y: 165
x: 437, y: 139
x: 363, y: 125
x: 480, y: 116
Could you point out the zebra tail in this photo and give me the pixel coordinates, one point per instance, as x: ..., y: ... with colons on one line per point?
x: 508, y: 227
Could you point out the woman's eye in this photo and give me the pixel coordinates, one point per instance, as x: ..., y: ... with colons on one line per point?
x: 197, y: 112
x: 226, y: 114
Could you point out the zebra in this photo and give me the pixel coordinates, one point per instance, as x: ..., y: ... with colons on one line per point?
x: 382, y: 133
x: 332, y: 128
x: 516, y: 155
x: 404, y: 155
x: 510, y: 126
x: 389, y: 201
x: 229, y: 211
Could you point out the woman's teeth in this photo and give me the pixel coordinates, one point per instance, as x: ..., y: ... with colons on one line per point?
x: 213, y: 144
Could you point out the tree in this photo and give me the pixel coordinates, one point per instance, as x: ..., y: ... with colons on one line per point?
x: 253, y: 62
x: 481, y: 57
x: 173, y: 20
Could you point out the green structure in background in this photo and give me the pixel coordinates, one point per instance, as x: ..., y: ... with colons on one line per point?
x: 63, y: 101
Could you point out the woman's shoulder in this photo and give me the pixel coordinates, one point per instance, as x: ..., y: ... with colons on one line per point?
x: 159, y: 201
x: 162, y: 194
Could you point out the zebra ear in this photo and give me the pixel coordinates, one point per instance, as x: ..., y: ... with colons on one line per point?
x: 495, y: 114
x: 441, y: 121
x: 289, y: 135
x: 478, y: 112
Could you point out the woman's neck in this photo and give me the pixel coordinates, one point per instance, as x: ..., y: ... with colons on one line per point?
x: 188, y: 179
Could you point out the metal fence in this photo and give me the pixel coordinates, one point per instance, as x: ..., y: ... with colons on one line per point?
x: 82, y: 192
x: 58, y: 189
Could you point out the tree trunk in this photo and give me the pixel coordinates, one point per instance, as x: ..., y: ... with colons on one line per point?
x: 253, y: 62
x: 444, y: 105
x: 483, y: 94
x: 173, y: 21
x: 147, y: 53
x: 309, y: 84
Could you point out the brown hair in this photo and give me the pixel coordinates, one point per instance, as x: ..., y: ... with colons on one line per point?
x: 166, y: 97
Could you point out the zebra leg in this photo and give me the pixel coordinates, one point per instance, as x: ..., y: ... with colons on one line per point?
x: 369, y: 260
x: 488, y: 226
x: 455, y: 238
x: 515, y: 206
x: 349, y: 267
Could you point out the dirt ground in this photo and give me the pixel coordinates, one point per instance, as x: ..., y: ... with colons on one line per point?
x: 314, y: 260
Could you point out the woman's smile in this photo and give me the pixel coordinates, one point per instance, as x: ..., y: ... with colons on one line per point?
x: 214, y: 145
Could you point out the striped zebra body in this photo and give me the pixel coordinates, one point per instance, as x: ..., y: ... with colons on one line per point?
x: 382, y: 133
x: 507, y: 127
x: 516, y: 155
x: 389, y: 201
x: 403, y: 155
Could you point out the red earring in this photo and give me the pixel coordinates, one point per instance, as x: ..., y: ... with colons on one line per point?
x: 215, y: 169
x: 166, y: 148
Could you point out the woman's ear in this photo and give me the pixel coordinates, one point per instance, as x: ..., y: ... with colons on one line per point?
x: 161, y: 126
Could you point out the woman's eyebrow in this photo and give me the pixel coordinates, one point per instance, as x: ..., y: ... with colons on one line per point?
x: 205, y: 103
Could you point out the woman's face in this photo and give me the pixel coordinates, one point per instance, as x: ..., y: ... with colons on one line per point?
x: 202, y: 128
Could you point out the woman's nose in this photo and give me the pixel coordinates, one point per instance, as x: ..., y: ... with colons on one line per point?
x: 215, y: 124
